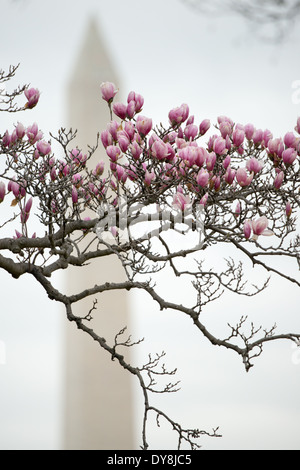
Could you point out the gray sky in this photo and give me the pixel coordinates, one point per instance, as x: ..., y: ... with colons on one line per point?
x: 170, y: 55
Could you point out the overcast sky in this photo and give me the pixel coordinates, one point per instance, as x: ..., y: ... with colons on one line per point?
x: 170, y: 54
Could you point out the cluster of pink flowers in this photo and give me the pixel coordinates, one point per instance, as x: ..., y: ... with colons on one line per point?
x: 155, y: 158
x: 175, y: 153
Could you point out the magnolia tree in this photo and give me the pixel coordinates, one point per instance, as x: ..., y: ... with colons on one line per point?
x: 230, y: 185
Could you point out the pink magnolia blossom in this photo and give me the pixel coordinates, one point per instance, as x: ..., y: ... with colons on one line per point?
x: 20, y: 130
x: 289, y: 139
x: 106, y: 138
x: 143, y: 125
x: 191, y: 131
x: 229, y: 175
x: 238, y: 136
x: 6, y: 141
x: 26, y: 211
x: 108, y: 91
x: 202, y: 177
x: 237, y: 210
x: 259, y: 227
x: 159, y: 149
x: 135, y: 150
x: 204, y: 199
x: 257, y: 136
x: 225, y: 128
x: 273, y: 145
x: 181, y: 201
x: 192, y: 154
x: 249, y: 131
x: 130, y: 130
x: 33, y: 133
x: 288, y: 210
x: 204, y: 126
x: 243, y: 178
x: 225, y: 119
x: 267, y: 135
x: 254, y: 165
x: 219, y: 146
x: 74, y: 195
x: 247, y: 229
x: 43, y: 147
x: 278, y: 179
x: 130, y: 109
x: 210, y: 160
x: 120, y: 110
x: 33, y: 96
x: 137, y: 99
x: 123, y: 140
x: 121, y: 174
x: 288, y: 156
x: 113, y: 152
x: 226, y: 161
x: 178, y: 115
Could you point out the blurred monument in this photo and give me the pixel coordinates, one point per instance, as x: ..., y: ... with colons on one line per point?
x: 98, y: 400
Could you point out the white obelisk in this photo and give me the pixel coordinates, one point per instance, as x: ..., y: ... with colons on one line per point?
x: 98, y: 399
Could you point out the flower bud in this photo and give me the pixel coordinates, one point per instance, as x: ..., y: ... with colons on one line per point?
x: 204, y: 126
x: 288, y: 156
x: 278, y: 179
x: 178, y: 115
x: 113, y: 152
x: 249, y: 131
x: 254, y: 165
x: 120, y: 110
x: 238, y: 136
x: 247, y: 229
x: 32, y: 95
x: 289, y: 139
x: 143, y: 125
x: 243, y: 178
x: 202, y: 177
x: 191, y: 131
x: 159, y: 149
x: 43, y: 147
x: 288, y: 210
x: 108, y: 91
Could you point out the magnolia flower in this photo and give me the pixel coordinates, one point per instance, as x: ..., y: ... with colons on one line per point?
x: 179, y: 114
x: 43, y: 147
x: 278, y: 179
x: 32, y: 95
x: 181, y: 202
x: 258, y: 227
x: 204, y: 126
x: 243, y: 178
x: 288, y: 210
x: 202, y: 177
x: 254, y: 165
x: 143, y: 125
x: 288, y: 156
x: 108, y: 91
